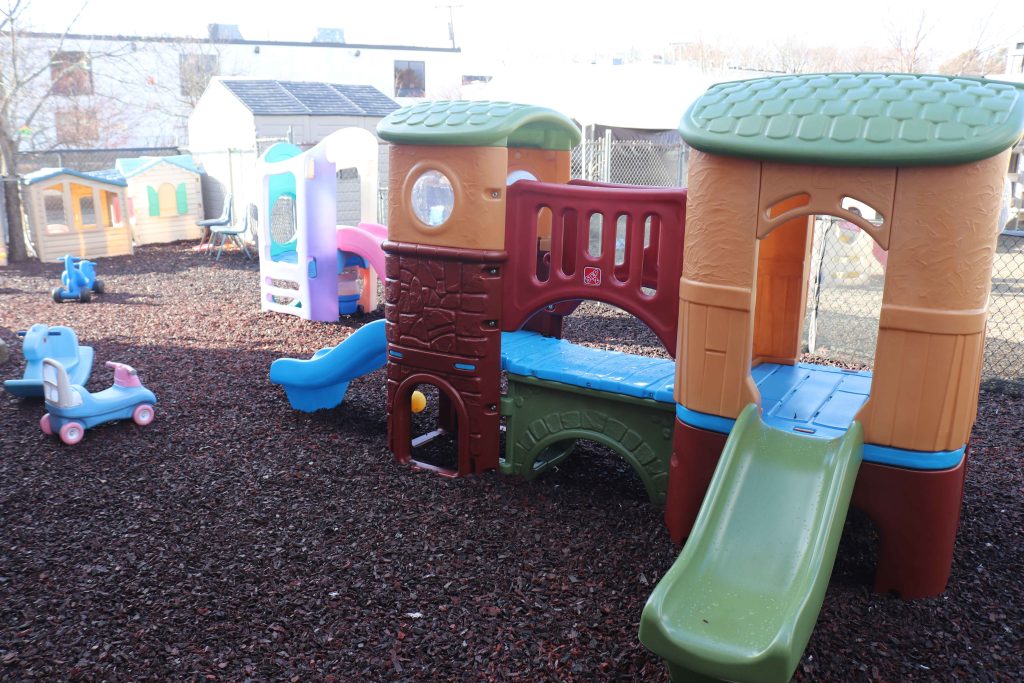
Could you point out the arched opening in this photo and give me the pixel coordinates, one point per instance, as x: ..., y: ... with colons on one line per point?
x: 607, y: 384
x: 815, y: 325
x: 427, y: 425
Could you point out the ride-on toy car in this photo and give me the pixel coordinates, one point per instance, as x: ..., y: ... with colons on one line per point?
x: 72, y: 409
x: 78, y: 281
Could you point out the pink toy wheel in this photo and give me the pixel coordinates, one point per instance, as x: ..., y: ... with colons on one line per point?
x: 143, y: 414
x: 72, y: 432
x: 44, y: 424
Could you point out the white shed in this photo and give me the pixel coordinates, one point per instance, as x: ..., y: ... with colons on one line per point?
x: 165, y: 198
x: 237, y: 119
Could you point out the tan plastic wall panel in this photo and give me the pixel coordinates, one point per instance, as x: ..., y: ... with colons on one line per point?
x: 782, y: 271
x: 826, y: 186
x: 478, y: 178
x: 924, y: 390
x: 548, y: 166
x: 717, y: 288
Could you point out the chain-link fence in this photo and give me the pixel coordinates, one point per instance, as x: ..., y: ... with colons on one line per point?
x: 630, y: 162
x: 87, y: 159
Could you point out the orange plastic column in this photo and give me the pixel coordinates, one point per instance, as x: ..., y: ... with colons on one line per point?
x: 477, y: 175
x: 932, y: 326
x: 782, y: 272
x: 716, y: 292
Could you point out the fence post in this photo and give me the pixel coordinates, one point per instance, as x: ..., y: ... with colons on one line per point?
x: 607, y: 171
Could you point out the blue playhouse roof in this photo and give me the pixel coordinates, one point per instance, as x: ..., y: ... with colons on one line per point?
x: 110, y: 176
x: 133, y: 166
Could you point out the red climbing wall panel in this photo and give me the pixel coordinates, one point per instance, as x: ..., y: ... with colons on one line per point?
x: 442, y: 308
x: 617, y: 244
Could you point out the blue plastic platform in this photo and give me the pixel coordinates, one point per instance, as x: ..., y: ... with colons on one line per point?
x: 557, y: 360
x: 815, y: 400
x: 819, y: 402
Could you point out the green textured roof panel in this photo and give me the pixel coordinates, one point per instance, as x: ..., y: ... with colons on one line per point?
x: 479, y: 124
x: 858, y: 119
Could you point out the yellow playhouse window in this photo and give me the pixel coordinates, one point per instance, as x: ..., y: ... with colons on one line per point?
x: 168, y: 200
x: 112, y: 213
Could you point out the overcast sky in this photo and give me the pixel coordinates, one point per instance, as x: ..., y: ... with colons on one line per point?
x: 502, y: 30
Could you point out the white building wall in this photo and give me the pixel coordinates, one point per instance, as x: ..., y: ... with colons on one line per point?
x: 137, y: 81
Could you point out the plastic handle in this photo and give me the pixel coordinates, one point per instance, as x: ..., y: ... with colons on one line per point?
x: 22, y: 333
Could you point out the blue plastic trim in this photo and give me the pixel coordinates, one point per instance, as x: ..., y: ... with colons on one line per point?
x: 710, y: 423
x: 395, y: 354
x: 914, y: 460
x: 882, y: 455
x: 465, y: 366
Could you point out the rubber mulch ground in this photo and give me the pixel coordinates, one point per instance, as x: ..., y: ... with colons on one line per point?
x: 237, y: 539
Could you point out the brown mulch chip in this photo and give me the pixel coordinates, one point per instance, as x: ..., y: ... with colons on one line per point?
x: 236, y: 539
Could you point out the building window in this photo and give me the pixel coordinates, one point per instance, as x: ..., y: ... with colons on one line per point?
x: 410, y: 79
x: 195, y: 72
x: 76, y: 127
x: 70, y: 73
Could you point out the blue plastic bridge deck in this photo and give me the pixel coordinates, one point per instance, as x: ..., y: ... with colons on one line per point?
x: 557, y: 360
x: 814, y: 400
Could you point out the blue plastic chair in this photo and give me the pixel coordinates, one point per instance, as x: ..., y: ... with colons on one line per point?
x: 234, y: 233
x: 226, y: 217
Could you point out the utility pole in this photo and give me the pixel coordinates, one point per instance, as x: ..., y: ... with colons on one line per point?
x: 451, y: 20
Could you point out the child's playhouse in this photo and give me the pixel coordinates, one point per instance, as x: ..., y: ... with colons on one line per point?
x: 755, y: 455
x: 165, y: 198
x: 311, y: 266
x: 74, y: 212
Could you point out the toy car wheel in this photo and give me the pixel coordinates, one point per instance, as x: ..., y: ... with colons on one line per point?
x: 72, y: 432
x: 85, y: 296
x: 98, y: 286
x: 44, y: 424
x: 55, y: 293
x: 143, y: 414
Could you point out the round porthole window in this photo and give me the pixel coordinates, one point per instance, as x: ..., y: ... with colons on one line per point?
x: 433, y: 198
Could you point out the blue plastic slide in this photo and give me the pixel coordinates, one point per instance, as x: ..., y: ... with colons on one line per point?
x: 321, y: 381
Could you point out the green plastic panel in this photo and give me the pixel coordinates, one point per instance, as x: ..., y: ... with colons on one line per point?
x: 154, y: 200
x: 544, y: 419
x: 858, y: 119
x: 181, y: 194
x: 740, y: 602
x: 479, y: 124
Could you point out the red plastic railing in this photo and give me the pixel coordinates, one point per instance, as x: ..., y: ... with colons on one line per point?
x: 645, y: 281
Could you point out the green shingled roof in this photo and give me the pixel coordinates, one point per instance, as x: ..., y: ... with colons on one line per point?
x: 479, y: 124
x: 858, y: 119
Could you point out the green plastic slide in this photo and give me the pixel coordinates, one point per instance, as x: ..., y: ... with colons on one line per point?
x: 740, y: 602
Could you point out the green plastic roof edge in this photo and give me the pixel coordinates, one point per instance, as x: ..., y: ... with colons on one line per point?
x: 479, y: 124
x: 858, y: 119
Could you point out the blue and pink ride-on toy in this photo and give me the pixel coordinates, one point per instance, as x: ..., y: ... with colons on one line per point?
x: 59, y: 343
x: 78, y: 281
x: 72, y: 409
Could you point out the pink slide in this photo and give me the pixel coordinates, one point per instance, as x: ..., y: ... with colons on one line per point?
x: 364, y: 240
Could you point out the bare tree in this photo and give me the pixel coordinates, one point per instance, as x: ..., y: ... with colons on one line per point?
x: 36, y: 82
x: 907, y: 45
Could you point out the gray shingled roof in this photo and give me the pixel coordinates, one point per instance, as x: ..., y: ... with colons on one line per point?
x: 281, y: 98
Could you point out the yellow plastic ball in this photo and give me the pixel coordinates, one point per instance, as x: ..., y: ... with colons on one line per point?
x: 419, y: 401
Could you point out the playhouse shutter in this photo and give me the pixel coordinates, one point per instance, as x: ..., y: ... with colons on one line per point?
x: 154, y: 201
x: 182, y: 199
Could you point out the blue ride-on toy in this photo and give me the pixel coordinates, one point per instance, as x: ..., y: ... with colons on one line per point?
x: 78, y: 281
x: 72, y: 409
x: 59, y: 343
